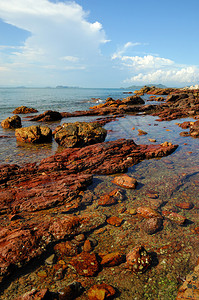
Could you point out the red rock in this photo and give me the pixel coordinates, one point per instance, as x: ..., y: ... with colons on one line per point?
x: 87, y: 246
x: 115, y: 221
x: 175, y: 217
x: 111, y: 198
x: 48, y: 116
x: 138, y: 259
x: 147, y: 212
x: 185, y: 205
x: 112, y: 259
x: 67, y: 248
x: 125, y: 181
x: 85, y: 264
x: 101, y: 291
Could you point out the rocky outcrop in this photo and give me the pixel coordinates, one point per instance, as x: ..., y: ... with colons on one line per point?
x: 24, y: 110
x: 48, y: 116
x: 11, y: 122
x: 34, y: 134
x: 79, y: 134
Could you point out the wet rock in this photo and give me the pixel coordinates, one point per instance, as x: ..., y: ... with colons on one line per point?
x: 11, y: 122
x: 71, y: 291
x: 189, y: 288
x: 151, y: 225
x: 87, y: 246
x: 175, y: 217
x: 194, y: 129
x: 115, y: 221
x: 111, y: 198
x: 138, y: 259
x: 101, y: 291
x: 67, y: 248
x: 24, y: 110
x: 37, y: 295
x: 185, y: 205
x: 48, y: 116
x: 112, y: 259
x: 80, y: 134
x: 141, y: 132
x: 86, y: 264
x: 133, y: 100
x: 125, y: 181
x: 34, y: 134
x: 147, y: 212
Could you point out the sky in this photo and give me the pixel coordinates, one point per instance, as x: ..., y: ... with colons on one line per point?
x: 99, y: 43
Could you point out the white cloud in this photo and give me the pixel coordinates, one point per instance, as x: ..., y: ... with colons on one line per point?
x: 60, y: 34
x: 123, y: 49
x: 146, y: 62
x: 178, y: 76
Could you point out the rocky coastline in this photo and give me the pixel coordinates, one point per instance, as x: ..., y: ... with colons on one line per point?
x: 57, y: 223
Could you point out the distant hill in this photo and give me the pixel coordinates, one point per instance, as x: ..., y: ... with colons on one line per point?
x: 138, y: 87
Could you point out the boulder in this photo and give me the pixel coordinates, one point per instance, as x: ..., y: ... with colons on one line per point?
x: 48, y: 116
x: 34, y: 134
x: 133, y: 100
x: 24, y: 110
x: 194, y: 129
x: 11, y: 122
x: 80, y: 134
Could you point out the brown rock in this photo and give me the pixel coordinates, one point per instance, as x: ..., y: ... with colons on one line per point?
x: 112, y: 259
x: 115, y: 221
x: 175, y: 217
x: 85, y: 264
x: 185, y: 205
x: 24, y: 110
x: 147, y: 212
x: 37, y: 295
x: 101, y: 291
x: 138, y: 259
x: 141, y: 132
x: 80, y: 134
x: 87, y: 246
x: 151, y: 225
x: 71, y: 291
x: 111, y: 198
x: 48, y: 116
x: 190, y: 287
x: 125, y: 181
x: 67, y: 248
x: 34, y: 134
x: 11, y: 122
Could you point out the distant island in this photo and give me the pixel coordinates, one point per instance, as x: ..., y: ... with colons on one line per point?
x: 138, y: 87
x: 66, y: 87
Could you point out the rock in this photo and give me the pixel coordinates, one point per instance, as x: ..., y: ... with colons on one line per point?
x: 189, y: 288
x: 185, y: 205
x: 133, y: 100
x: 115, y: 221
x: 67, y: 248
x: 194, y: 129
x: 34, y: 134
x: 111, y: 198
x: 125, y: 181
x: 24, y: 110
x: 11, y: 122
x: 50, y: 260
x: 138, y: 259
x: 87, y: 246
x: 85, y: 264
x: 141, y: 132
x: 112, y: 259
x: 101, y: 291
x: 80, y: 134
x: 48, y: 116
x: 147, y: 212
x: 71, y: 291
x: 175, y: 217
x: 37, y: 295
x: 151, y: 225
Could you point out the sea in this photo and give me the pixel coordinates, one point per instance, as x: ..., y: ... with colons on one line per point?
x: 173, y: 179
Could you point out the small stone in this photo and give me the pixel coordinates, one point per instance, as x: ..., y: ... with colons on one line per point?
x: 51, y: 259
x: 125, y: 181
x: 141, y: 132
x: 185, y: 205
x: 112, y: 259
x: 175, y: 217
x: 101, y: 291
x: 71, y: 291
x: 86, y: 264
x: 115, y: 221
x: 42, y: 274
x: 35, y: 294
x: 111, y: 198
x: 151, y: 225
x: 147, y: 212
x: 67, y: 248
x: 87, y: 246
x: 138, y: 259
x: 152, y: 140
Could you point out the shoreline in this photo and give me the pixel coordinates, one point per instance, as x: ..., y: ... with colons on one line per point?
x: 57, y: 194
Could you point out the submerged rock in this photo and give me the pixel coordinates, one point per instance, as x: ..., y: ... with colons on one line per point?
x: 34, y: 134
x: 48, y: 116
x: 138, y: 259
x: 11, y: 122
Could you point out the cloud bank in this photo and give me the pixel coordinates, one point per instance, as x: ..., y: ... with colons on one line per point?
x: 60, y: 37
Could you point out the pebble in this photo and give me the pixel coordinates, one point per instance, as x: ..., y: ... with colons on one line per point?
x: 125, y: 181
x: 112, y: 259
x: 138, y: 259
x: 101, y: 291
x: 51, y: 259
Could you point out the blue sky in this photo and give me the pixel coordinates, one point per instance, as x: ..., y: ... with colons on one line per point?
x: 99, y: 43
